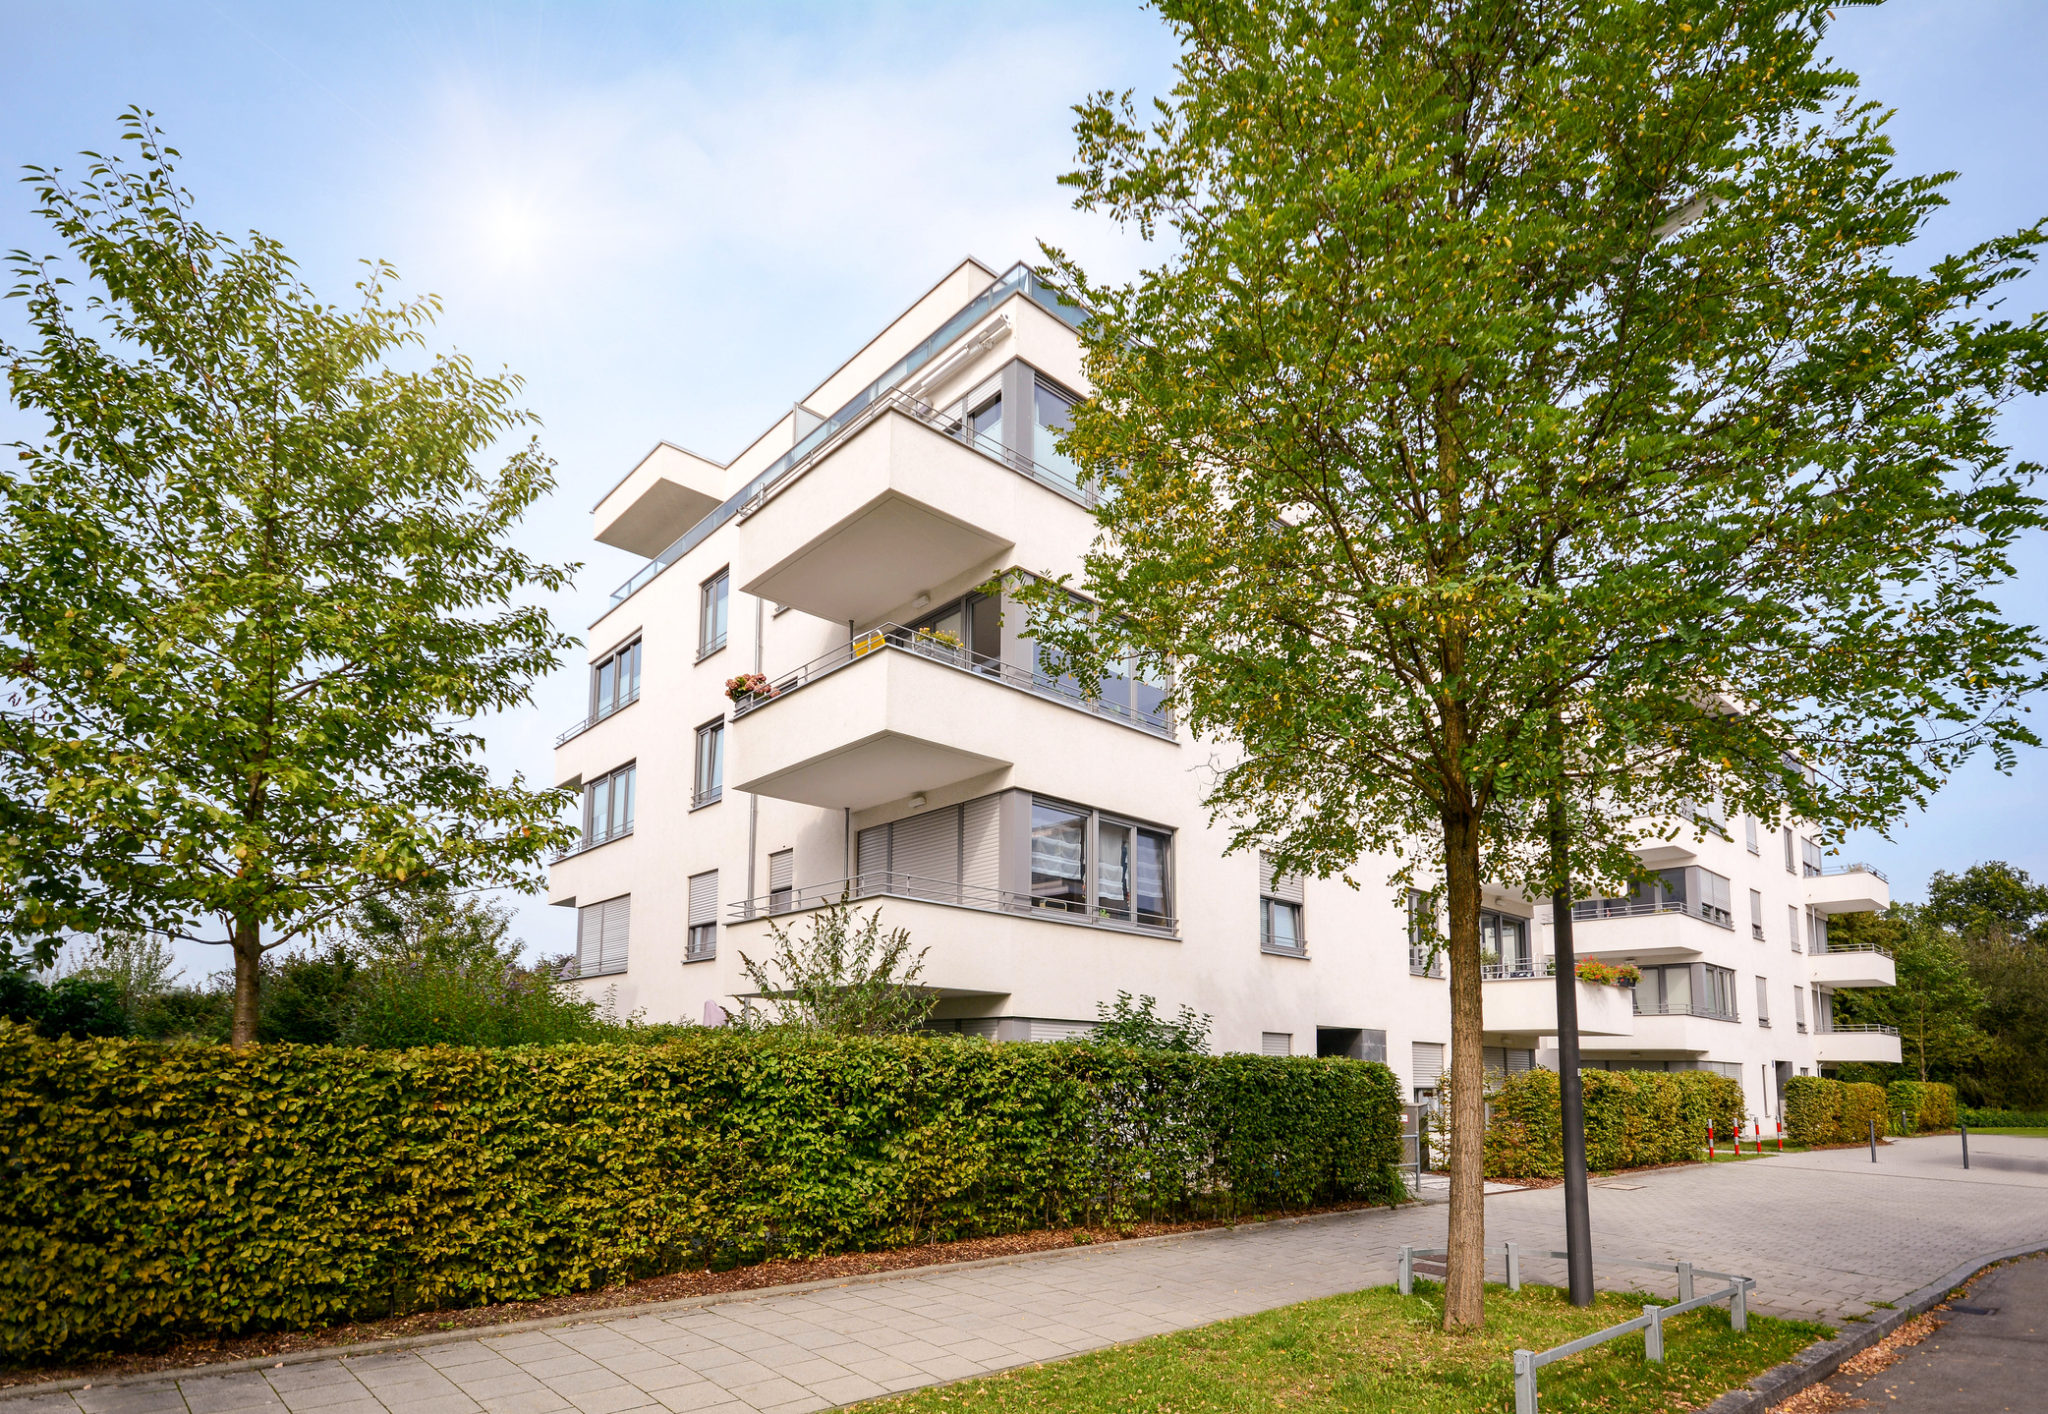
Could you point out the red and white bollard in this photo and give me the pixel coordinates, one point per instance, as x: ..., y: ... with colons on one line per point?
x: 1781, y: 1136
x: 1710, y: 1141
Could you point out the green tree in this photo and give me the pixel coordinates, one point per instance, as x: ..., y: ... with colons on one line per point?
x: 1137, y: 1023
x: 1936, y: 1001
x: 255, y: 585
x: 1530, y: 410
x: 2000, y: 916
x: 846, y: 975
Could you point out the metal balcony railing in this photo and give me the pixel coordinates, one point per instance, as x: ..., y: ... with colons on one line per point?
x: 1857, y: 1028
x: 595, y: 717
x: 1422, y: 963
x: 590, y: 842
x: 1508, y: 971
x: 1018, y: 280
x: 947, y: 653
x: 1593, y: 909
x: 1282, y: 947
x: 877, y: 883
x: 1855, y: 868
x: 1645, y: 1007
x: 1881, y: 949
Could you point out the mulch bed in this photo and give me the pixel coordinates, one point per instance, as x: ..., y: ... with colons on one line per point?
x: 188, y: 1353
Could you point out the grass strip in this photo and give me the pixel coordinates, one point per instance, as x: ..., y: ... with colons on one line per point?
x: 1378, y: 1350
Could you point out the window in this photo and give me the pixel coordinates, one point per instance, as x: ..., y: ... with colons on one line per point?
x: 952, y: 854
x: 601, y: 930
x: 1427, y: 1068
x: 709, y: 782
x: 711, y: 613
x: 608, y: 806
x: 1280, y: 905
x: 1424, y: 958
x: 1799, y: 1010
x: 1816, y: 931
x: 1791, y: 867
x: 1717, y: 992
x: 1763, y: 1003
x: 1809, y: 857
x: 703, y: 940
x: 1059, y: 857
x: 1792, y: 924
x: 1749, y: 834
x: 1687, y: 989
x: 781, y: 880
x: 615, y: 680
x: 1504, y: 945
x: 1756, y: 915
x: 1716, y: 905
x: 969, y: 629
x: 1276, y: 1043
x: 1055, y: 414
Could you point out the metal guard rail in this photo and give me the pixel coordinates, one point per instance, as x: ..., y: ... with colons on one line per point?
x: 934, y: 649
x: 1650, y: 1323
x: 880, y: 883
x: 595, y: 717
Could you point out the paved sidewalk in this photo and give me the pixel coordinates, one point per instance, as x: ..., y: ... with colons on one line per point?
x: 1825, y: 1234
x: 1990, y: 1357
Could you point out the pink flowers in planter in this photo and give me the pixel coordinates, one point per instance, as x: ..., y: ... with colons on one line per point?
x: 748, y: 687
x: 1608, y: 974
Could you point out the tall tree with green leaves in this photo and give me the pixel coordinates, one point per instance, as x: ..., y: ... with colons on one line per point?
x: 255, y: 584
x: 1531, y: 406
x: 1999, y: 916
x: 1935, y: 1002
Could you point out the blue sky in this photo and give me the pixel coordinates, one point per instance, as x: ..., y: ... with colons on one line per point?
x: 674, y: 219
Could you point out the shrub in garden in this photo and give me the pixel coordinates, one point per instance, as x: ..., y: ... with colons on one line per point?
x: 1862, y: 1104
x: 2004, y: 1119
x: 1925, y: 1105
x: 1813, y: 1109
x: 1633, y: 1118
x: 153, y: 1191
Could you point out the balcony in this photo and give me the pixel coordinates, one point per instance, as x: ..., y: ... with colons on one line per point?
x: 1648, y: 932
x: 1867, y: 1045
x: 1865, y: 965
x: 1521, y: 1003
x: 595, y: 717
x: 1849, y: 888
x: 902, y: 502
x: 896, y: 712
x: 1666, y: 1033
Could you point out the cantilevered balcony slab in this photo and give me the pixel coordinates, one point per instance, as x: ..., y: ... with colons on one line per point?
x: 1872, y: 1047
x: 667, y: 493
x: 895, y: 714
x: 1853, y: 969
x: 1642, y: 932
x: 1527, y: 1006
x: 1849, y: 888
x: 1666, y: 1035
x: 894, y: 510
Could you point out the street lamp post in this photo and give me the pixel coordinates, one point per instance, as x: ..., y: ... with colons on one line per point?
x: 1578, y: 1218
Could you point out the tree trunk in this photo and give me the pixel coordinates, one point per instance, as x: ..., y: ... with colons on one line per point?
x: 246, y: 939
x: 1465, y: 1285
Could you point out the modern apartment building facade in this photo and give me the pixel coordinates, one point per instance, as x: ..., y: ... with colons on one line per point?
x: 1048, y: 845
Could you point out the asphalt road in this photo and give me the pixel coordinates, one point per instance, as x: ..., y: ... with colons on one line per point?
x: 1992, y: 1356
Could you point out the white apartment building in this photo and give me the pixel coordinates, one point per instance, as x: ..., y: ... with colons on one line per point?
x: 1049, y: 846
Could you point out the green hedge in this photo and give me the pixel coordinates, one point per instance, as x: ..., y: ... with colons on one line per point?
x: 1921, y: 1105
x: 151, y: 1191
x: 2005, y: 1119
x: 1823, y: 1111
x: 1633, y: 1118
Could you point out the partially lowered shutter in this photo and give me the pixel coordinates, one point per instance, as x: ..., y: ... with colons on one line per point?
x: 704, y: 898
x: 617, y: 928
x: 1428, y: 1064
x: 1286, y: 887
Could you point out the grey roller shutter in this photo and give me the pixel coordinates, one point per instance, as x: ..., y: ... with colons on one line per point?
x: 589, y: 938
x: 617, y: 928
x: 872, y: 855
x: 1428, y: 1061
x: 1286, y: 887
x: 1044, y: 1029
x: 704, y: 898
x: 1520, y: 1061
x: 980, y: 849
x: 925, y: 853
x: 1276, y: 1043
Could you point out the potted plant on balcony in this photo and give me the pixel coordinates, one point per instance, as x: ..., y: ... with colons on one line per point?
x: 939, y: 643
x: 1609, y: 974
x: 748, y: 687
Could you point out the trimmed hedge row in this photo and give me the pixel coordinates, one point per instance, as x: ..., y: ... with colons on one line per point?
x: 1823, y: 1111
x: 1633, y: 1118
x: 1919, y: 1106
x: 151, y: 1191
x: 2005, y: 1119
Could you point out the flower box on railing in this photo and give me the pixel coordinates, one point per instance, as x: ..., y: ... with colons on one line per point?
x: 749, y: 688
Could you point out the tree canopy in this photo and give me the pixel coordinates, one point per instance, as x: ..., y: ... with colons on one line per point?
x: 1533, y: 404
x: 256, y: 586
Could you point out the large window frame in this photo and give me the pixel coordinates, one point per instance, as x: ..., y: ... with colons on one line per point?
x: 714, y: 608
x: 1282, y: 911
x: 707, y: 765
x: 1092, y: 885
x: 615, y: 680
x: 608, y: 805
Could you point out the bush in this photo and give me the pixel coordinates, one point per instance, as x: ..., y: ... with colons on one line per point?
x: 1633, y: 1118
x: 2005, y: 1119
x: 1863, y: 1105
x: 70, y: 1006
x: 157, y: 1191
x: 1922, y: 1106
x: 1813, y: 1109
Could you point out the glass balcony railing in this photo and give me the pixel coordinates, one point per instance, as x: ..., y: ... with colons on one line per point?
x: 1018, y: 281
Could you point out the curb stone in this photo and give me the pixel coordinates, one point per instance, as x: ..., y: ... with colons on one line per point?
x: 1821, y: 1359
x: 603, y: 1315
